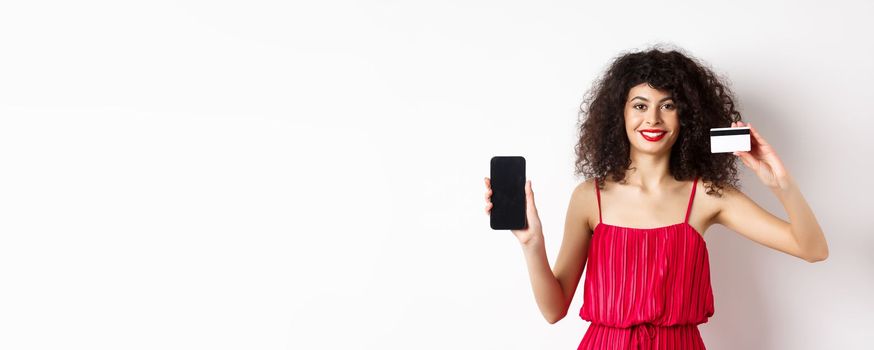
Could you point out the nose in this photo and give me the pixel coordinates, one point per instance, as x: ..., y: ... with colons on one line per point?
x: 653, y: 118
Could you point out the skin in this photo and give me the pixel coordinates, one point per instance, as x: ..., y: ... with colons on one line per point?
x: 652, y: 198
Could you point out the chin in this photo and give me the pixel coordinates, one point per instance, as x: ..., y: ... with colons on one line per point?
x: 653, y: 148
x: 653, y: 151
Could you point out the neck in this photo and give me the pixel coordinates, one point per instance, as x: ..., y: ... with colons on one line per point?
x: 650, y: 171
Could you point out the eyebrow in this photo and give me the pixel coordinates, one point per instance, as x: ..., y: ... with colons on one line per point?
x: 642, y: 98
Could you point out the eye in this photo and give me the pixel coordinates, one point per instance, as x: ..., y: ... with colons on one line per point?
x: 639, y: 105
x: 669, y: 105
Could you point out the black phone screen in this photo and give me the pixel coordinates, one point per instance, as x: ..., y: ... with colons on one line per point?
x: 508, y: 193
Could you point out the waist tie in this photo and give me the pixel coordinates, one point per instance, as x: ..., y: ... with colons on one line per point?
x: 642, y: 335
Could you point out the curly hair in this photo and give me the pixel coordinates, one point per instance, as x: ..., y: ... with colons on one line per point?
x: 703, y: 101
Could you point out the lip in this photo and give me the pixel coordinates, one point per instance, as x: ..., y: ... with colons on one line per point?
x: 661, y: 135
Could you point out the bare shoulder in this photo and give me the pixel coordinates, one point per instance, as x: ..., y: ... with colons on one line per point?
x: 709, y: 206
x: 721, y: 196
x: 585, y: 187
x: 583, y: 203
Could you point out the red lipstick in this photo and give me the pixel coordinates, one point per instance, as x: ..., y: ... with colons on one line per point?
x: 653, y: 134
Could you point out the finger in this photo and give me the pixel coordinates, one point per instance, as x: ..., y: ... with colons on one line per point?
x: 756, y: 136
x: 742, y: 154
x: 759, y: 139
x: 529, y: 194
x: 488, y: 194
x: 749, y: 160
x: 755, y: 142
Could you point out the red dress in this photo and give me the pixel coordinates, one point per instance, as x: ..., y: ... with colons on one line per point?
x: 646, y: 288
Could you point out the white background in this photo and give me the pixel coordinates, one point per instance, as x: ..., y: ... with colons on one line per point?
x: 274, y: 175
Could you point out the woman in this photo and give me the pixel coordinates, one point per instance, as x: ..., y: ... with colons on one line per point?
x: 644, y: 144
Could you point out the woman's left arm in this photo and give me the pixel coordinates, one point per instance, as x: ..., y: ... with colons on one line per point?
x: 801, y: 236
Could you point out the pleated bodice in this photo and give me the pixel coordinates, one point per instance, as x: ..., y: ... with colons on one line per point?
x: 646, y: 288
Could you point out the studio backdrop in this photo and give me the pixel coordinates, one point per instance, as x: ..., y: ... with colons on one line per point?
x: 309, y: 175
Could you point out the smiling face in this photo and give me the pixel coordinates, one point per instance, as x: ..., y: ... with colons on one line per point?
x: 651, y: 120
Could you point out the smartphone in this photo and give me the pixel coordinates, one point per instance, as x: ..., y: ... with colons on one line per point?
x: 508, y: 193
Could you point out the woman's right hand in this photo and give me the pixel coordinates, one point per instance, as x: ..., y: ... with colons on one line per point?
x: 533, y: 232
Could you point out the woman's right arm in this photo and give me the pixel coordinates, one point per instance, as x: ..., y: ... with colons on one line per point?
x: 554, y: 288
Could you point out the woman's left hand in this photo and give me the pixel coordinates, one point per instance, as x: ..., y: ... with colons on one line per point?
x: 763, y: 160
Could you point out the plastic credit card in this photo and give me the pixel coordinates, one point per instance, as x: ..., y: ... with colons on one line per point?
x: 724, y: 140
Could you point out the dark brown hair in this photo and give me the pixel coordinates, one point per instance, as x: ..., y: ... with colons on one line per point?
x: 703, y: 101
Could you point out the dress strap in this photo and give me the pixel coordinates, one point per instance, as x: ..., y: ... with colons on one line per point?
x: 691, y: 197
x: 598, y: 193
